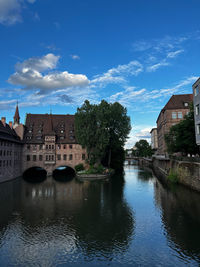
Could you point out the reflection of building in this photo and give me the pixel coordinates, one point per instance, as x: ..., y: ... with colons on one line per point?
x: 154, y: 138
x: 172, y: 113
x: 50, y: 142
x: 196, y: 100
x: 10, y: 151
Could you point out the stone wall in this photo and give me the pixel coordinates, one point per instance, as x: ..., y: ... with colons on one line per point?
x: 188, y: 172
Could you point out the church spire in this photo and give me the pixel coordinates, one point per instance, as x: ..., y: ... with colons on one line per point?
x: 16, y: 117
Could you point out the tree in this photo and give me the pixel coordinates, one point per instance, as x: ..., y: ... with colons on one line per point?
x: 181, y: 137
x: 143, y: 149
x: 101, y: 129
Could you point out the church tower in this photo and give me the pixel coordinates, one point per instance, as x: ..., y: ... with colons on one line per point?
x: 16, y: 117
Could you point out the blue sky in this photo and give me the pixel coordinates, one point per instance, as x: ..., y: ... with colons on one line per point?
x: 56, y: 54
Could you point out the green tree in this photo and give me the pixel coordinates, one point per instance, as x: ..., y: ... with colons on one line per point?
x: 181, y: 137
x: 101, y: 129
x: 143, y: 149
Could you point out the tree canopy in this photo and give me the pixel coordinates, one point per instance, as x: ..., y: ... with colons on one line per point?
x: 181, y: 137
x: 101, y: 129
x: 143, y: 149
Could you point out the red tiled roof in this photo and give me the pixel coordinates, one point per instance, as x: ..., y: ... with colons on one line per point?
x: 39, y: 125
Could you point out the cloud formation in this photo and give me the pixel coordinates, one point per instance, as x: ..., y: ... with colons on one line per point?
x: 10, y: 11
x: 119, y: 74
x: 29, y: 74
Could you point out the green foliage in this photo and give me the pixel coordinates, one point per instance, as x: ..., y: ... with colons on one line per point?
x: 101, y: 128
x: 181, y: 137
x: 173, y: 176
x: 99, y: 169
x: 79, y: 167
x: 143, y: 149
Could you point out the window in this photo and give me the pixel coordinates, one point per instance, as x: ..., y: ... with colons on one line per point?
x: 197, y: 109
x: 64, y: 146
x: 198, y: 128
x: 46, y: 146
x: 40, y: 147
x: 49, y: 146
x: 70, y: 157
x: 83, y: 156
x: 59, y: 146
x: 52, y: 146
x: 64, y: 157
x: 186, y: 104
x: 196, y: 91
x: 61, y: 131
x: 52, y: 157
x: 59, y: 157
x: 28, y: 147
x: 40, y: 157
x: 28, y: 158
x: 70, y: 146
x: 46, y: 157
x: 34, y: 157
x: 174, y: 115
x: 180, y: 115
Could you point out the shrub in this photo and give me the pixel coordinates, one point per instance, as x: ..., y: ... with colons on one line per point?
x: 79, y: 167
x: 173, y: 176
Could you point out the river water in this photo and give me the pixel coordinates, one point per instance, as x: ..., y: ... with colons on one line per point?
x: 130, y: 220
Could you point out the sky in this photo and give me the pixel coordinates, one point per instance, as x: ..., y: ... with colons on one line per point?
x: 56, y: 54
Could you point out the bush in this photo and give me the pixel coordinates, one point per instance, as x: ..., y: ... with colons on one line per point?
x: 79, y: 167
x: 173, y: 176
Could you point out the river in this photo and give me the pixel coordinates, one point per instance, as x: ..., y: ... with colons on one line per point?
x: 130, y: 220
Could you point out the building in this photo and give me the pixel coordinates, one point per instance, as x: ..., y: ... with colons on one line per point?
x: 196, y: 101
x: 50, y: 142
x: 10, y: 152
x: 154, y: 138
x: 172, y: 113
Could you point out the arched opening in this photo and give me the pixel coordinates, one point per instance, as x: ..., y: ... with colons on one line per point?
x: 35, y: 175
x: 64, y: 174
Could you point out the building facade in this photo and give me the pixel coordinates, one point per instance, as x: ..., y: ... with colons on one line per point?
x: 10, y: 152
x: 50, y: 142
x: 173, y: 112
x: 154, y: 138
x: 196, y: 102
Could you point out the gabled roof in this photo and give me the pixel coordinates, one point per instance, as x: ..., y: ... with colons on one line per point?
x: 6, y: 133
x: 177, y: 102
x: 40, y: 125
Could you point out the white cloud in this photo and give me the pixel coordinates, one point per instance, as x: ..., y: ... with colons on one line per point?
x: 128, y: 96
x: 75, y: 57
x: 29, y: 75
x: 157, y: 66
x: 10, y: 11
x: 174, y: 53
x: 138, y: 132
x: 119, y: 74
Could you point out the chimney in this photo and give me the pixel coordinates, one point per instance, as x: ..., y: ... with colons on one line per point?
x: 10, y: 124
x: 3, y: 120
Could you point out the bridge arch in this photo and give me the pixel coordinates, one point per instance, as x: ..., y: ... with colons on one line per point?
x: 35, y: 174
x: 64, y: 173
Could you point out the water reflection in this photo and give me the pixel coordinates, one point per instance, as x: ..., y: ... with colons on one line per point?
x: 181, y: 218
x: 63, y: 222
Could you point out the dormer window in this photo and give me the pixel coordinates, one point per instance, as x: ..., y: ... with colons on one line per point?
x: 30, y: 131
x: 61, y: 131
x: 186, y: 104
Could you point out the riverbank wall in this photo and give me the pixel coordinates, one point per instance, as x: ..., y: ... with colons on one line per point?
x: 186, y: 169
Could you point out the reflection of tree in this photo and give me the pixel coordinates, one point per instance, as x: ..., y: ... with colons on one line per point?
x: 145, y: 174
x: 105, y: 222
x: 64, y: 215
x: 181, y: 218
